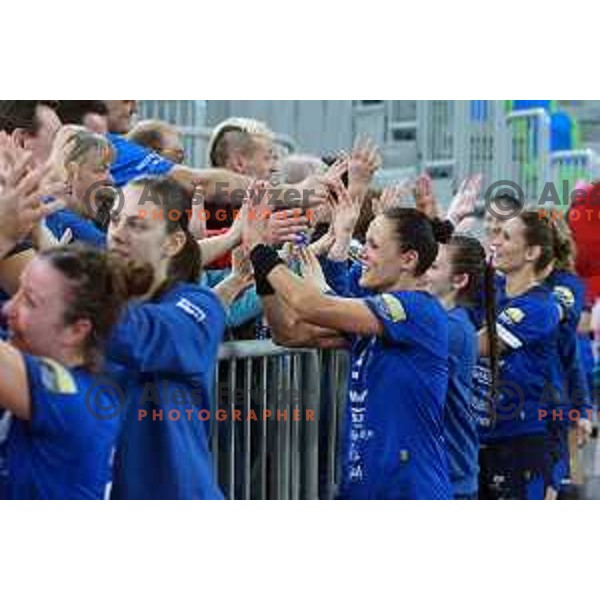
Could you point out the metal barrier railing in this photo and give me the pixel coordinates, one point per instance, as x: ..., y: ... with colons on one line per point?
x: 283, y: 441
x: 480, y: 139
x: 526, y: 158
x: 435, y: 134
x: 569, y: 167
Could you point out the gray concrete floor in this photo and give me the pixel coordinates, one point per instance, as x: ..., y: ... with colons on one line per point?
x: 591, y: 467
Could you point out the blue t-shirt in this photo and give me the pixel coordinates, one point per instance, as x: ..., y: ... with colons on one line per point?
x: 163, y: 355
x: 569, y: 292
x: 133, y: 161
x: 459, y: 417
x: 83, y: 230
x: 530, y: 367
x: 394, y: 445
x: 65, y: 450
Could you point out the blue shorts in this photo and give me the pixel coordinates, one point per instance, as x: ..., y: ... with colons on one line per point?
x: 515, y: 468
x: 558, y: 452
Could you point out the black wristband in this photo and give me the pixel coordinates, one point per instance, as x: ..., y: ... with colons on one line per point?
x: 264, y: 259
x: 263, y: 287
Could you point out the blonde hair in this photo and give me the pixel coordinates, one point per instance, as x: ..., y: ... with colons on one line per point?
x: 81, y: 143
x: 236, y: 132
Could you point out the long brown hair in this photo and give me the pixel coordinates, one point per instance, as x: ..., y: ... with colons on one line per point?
x: 467, y: 256
x: 99, y: 285
x: 186, y: 266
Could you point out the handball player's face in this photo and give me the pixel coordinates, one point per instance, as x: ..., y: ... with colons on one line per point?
x: 492, y: 230
x: 86, y: 176
x: 137, y: 232
x: 439, y: 276
x: 35, y: 314
x: 383, y: 264
x: 510, y: 248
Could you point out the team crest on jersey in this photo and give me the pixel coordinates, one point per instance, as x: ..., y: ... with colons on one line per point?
x: 56, y: 378
x: 516, y: 315
x: 393, y: 308
x: 564, y: 295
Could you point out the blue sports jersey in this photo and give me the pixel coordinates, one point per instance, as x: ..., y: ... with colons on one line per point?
x: 133, y: 161
x: 459, y: 416
x: 83, y: 230
x: 64, y: 451
x: 394, y: 445
x: 586, y: 355
x: 530, y: 369
x: 163, y: 354
x: 5, y: 421
x: 569, y: 291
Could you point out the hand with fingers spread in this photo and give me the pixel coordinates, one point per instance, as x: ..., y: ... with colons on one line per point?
x: 338, y: 168
x: 287, y: 226
x: 463, y: 203
x: 21, y: 197
x: 391, y: 197
x: 323, y: 245
x: 255, y: 219
x: 425, y: 199
x: 241, y: 267
x: 311, y: 270
x: 240, y: 278
x: 363, y: 161
x: 345, y: 213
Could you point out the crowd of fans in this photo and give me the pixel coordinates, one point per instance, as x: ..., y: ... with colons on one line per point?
x: 470, y: 355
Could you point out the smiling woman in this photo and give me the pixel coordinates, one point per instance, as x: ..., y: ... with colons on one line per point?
x: 67, y: 303
x: 171, y: 335
x: 393, y: 439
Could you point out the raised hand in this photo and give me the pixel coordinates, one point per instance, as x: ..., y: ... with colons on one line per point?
x: 425, y: 199
x: 310, y: 269
x: 21, y: 195
x: 463, y: 203
x: 345, y: 210
x: 363, y: 161
x: 287, y: 226
x: 392, y: 196
x: 241, y: 267
x: 324, y: 243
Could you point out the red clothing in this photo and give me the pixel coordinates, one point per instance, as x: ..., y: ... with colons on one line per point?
x: 584, y: 220
x: 225, y: 261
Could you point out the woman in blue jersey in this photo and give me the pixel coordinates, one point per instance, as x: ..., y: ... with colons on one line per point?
x: 164, y: 351
x: 515, y: 460
x: 58, y: 446
x: 82, y: 162
x: 458, y: 278
x: 393, y: 442
x: 573, y: 409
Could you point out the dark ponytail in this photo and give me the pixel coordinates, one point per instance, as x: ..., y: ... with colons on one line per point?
x: 489, y: 277
x: 442, y: 230
x: 176, y: 205
x: 415, y: 231
x: 467, y: 256
x: 100, y: 285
